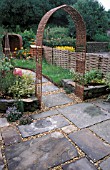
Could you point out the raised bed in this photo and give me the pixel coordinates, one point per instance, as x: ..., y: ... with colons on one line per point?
x: 89, y: 92
x: 30, y: 104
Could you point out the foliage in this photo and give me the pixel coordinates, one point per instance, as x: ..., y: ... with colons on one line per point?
x: 90, y: 77
x: 6, y: 64
x: 107, y: 79
x: 55, y: 32
x: 29, y: 64
x: 101, y: 37
x: 94, y: 16
x: 66, y: 48
x: 66, y: 41
x: 6, y: 81
x: 6, y: 77
x: 23, y: 53
x: 25, y: 120
x: 22, y: 87
x: 28, y: 37
x: 28, y: 13
x: 57, y: 36
x: 12, y: 114
x: 93, y: 76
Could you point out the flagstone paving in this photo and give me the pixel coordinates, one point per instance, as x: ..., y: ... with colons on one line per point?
x: 105, y: 165
x: 56, y: 99
x: 44, y: 125
x: 49, y: 88
x: 103, y: 130
x: 41, y: 153
x: 84, y: 114
x: 82, y: 164
x: 67, y: 137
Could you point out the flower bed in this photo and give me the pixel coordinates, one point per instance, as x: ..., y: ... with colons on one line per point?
x: 16, y: 87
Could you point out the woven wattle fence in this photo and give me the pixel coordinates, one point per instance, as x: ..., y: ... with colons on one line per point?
x: 67, y: 59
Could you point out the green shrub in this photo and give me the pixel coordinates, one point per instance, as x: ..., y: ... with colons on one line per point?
x: 90, y: 77
x: 66, y: 41
x: 6, y: 82
x: 28, y: 38
x: 55, y: 33
x: 101, y: 38
x: 22, y: 87
x: 12, y: 114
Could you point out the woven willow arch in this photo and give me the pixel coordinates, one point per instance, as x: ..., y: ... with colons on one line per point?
x: 80, y: 45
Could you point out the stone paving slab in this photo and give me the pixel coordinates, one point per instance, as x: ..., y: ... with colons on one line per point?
x: 102, y: 130
x: 45, y: 114
x: 49, y: 88
x: 10, y: 135
x: 56, y: 99
x: 103, y: 104
x: 41, y: 153
x: 105, y: 165
x: 94, y: 147
x: 3, y: 122
x: 41, y: 126
x: 82, y: 164
x: 69, y: 129
x: 84, y: 114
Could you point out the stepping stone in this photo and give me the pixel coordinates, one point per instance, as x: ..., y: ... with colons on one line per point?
x: 44, y: 80
x: 103, y: 104
x: 41, y: 153
x: 10, y: 135
x: 41, y: 126
x: 3, y: 122
x: 102, y: 130
x: 94, y: 147
x: 82, y: 164
x: 105, y: 165
x: 84, y: 114
x: 45, y: 114
x: 56, y: 99
x: 69, y: 129
x: 49, y: 88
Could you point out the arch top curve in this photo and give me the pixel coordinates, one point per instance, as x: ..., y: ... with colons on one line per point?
x: 77, y: 19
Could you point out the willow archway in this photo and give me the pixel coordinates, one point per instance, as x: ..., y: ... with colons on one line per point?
x: 80, y: 46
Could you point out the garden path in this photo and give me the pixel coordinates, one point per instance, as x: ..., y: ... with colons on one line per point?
x: 65, y: 135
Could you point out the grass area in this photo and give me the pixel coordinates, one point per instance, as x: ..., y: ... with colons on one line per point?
x: 55, y: 73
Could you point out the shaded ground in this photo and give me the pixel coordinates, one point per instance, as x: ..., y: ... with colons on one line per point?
x: 66, y: 135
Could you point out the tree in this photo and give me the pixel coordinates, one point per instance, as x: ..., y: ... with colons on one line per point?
x: 94, y: 15
x: 27, y: 13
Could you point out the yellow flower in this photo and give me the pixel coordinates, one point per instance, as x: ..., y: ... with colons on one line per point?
x: 15, y: 49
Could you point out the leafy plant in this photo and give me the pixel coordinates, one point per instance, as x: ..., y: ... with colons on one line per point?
x: 25, y: 120
x: 6, y: 81
x: 7, y: 64
x: 90, y: 77
x: 23, y: 87
x: 12, y: 114
x: 23, y: 53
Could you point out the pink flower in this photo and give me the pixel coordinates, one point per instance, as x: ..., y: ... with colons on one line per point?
x: 17, y: 72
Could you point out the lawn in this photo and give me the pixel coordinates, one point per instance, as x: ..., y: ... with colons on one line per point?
x: 55, y: 73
